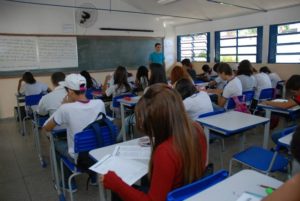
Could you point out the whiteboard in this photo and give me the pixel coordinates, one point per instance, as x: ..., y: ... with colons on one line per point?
x: 37, y: 52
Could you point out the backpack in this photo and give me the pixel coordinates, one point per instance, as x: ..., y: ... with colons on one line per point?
x: 105, y: 133
x: 240, y: 106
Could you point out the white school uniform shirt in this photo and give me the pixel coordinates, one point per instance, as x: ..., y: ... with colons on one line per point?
x: 274, y: 77
x: 197, y: 104
x: 51, y: 101
x: 33, y: 89
x: 220, y: 82
x: 232, y: 88
x: 75, y: 117
x: 262, y: 82
x: 248, y: 82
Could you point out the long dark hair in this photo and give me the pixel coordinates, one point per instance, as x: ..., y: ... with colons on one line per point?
x: 185, y: 88
x: 142, y: 72
x: 245, y: 68
x: 160, y: 114
x: 158, y: 74
x: 120, y: 78
x: 28, y: 78
x: 88, y: 78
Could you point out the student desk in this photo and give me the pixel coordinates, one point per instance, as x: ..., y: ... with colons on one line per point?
x: 233, y: 122
x: 20, y: 99
x: 269, y: 109
x: 129, y: 103
x: 286, y: 140
x: 99, y: 153
x: 232, y: 187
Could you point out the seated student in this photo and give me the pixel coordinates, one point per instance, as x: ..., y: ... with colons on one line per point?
x: 186, y: 63
x: 75, y: 114
x: 178, y: 73
x: 142, y: 79
x: 31, y: 86
x: 293, y: 86
x: 91, y: 83
x: 119, y: 86
x: 245, y: 73
x: 274, y: 77
x: 207, y: 73
x: 178, y: 152
x: 262, y: 81
x: 232, y: 88
x: 218, y: 82
x: 51, y: 101
x: 195, y: 103
x: 289, y: 191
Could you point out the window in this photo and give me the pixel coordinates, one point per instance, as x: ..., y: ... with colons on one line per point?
x: 284, y: 46
x: 194, y: 47
x: 237, y: 45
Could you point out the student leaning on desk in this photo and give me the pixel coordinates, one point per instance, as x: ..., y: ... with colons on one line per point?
x: 292, y: 85
x: 179, y: 150
x: 289, y: 191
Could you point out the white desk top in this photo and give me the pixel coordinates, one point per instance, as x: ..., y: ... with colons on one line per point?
x: 133, y: 101
x: 279, y: 110
x: 232, y: 187
x: 286, y: 140
x: 231, y: 122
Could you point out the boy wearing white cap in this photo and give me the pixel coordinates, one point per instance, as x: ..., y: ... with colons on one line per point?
x: 75, y: 114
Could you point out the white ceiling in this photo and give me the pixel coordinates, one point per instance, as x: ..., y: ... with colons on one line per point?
x: 203, y: 9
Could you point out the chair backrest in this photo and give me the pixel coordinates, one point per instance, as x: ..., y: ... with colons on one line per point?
x: 231, y: 103
x: 266, y: 94
x: 280, y: 84
x: 248, y: 96
x: 116, y: 104
x: 33, y: 99
x: 189, y: 190
x: 86, y: 140
x: 285, y: 132
x: 89, y: 93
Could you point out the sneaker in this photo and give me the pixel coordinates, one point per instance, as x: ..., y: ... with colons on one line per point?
x: 73, y: 189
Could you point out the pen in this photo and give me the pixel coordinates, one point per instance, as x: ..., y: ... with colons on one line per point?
x: 265, y: 186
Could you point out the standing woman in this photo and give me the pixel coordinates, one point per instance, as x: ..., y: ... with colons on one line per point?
x: 178, y: 152
x: 31, y: 86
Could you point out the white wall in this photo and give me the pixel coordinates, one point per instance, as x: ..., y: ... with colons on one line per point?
x: 37, y: 19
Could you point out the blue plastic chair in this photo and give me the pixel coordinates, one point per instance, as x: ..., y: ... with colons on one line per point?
x: 231, y: 104
x: 249, y: 95
x: 265, y: 94
x: 116, y: 104
x: 261, y: 159
x: 282, y: 133
x: 86, y: 141
x: 89, y: 94
x: 189, y: 190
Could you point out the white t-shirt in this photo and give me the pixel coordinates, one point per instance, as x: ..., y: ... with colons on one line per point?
x: 50, y: 102
x: 262, y: 82
x: 33, y: 89
x: 75, y: 117
x: 248, y: 82
x: 114, y: 91
x: 197, y: 104
x: 232, y: 88
x: 220, y: 82
x: 274, y: 77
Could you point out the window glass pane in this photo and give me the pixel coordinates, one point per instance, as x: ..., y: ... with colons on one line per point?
x: 200, y: 45
x: 293, y: 38
x: 186, y: 45
x: 289, y: 28
x: 247, y: 41
x: 229, y: 42
x: 228, y: 34
x: 251, y: 58
x: 200, y: 38
x: 228, y: 50
x: 199, y: 58
x: 247, y: 50
x: 186, y: 39
x: 247, y: 32
x: 228, y: 58
x: 288, y: 58
x: 288, y: 48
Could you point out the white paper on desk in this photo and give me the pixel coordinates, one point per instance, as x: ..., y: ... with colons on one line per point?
x: 130, y: 171
x: 280, y: 100
x: 246, y: 196
x: 132, y: 152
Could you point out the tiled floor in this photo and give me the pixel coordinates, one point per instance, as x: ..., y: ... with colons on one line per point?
x: 23, y: 179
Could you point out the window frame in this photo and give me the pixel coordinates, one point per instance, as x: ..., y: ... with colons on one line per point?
x: 259, y: 44
x: 195, y: 34
x: 273, y: 34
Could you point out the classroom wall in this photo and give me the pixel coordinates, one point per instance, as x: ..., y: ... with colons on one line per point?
x: 291, y: 14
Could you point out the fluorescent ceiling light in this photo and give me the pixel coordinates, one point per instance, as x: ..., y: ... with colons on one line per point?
x: 164, y: 2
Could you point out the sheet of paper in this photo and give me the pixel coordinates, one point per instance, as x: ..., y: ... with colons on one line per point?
x: 132, y: 152
x: 280, y: 100
x: 130, y: 171
x: 247, y: 196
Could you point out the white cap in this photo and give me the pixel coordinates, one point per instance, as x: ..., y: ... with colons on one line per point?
x: 75, y: 82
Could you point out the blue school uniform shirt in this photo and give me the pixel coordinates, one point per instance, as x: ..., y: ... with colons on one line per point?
x: 157, y: 58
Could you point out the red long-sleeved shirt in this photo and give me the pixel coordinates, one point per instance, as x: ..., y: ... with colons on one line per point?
x: 166, y: 174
